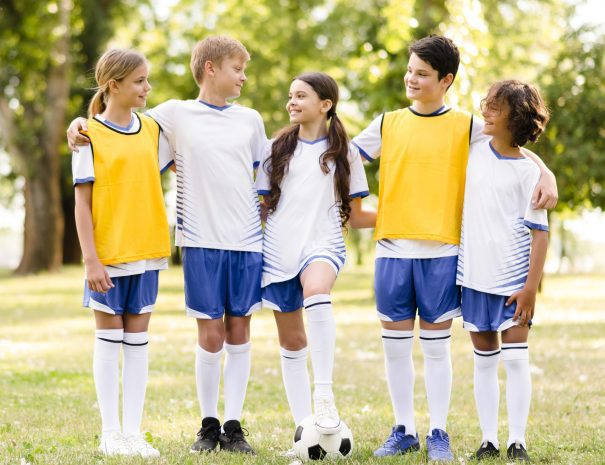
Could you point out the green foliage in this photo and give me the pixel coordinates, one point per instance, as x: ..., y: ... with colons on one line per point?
x: 574, y: 142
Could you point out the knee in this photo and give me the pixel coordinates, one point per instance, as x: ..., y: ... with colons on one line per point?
x: 294, y: 340
x: 314, y: 288
x: 211, y: 341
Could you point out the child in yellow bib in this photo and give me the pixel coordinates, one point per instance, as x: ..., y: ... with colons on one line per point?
x: 423, y: 152
x: 123, y: 232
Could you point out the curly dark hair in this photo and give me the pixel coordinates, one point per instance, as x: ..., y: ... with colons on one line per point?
x: 528, y: 114
x: 286, y: 141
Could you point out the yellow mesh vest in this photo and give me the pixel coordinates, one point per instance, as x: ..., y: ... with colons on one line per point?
x: 422, y: 174
x: 128, y: 212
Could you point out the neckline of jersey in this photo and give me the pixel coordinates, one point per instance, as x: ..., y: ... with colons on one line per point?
x: 441, y: 111
x: 499, y: 156
x: 216, y: 107
x: 115, y: 126
x: 311, y: 142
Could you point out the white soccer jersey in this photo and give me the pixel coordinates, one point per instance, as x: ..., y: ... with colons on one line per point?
x: 496, y: 221
x: 216, y: 151
x: 369, y: 142
x: 306, y: 224
x: 83, y: 171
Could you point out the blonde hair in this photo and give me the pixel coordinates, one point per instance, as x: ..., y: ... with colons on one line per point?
x: 214, y: 49
x: 114, y: 64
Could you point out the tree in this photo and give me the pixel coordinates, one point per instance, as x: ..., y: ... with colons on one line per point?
x: 574, y: 142
x: 45, y: 46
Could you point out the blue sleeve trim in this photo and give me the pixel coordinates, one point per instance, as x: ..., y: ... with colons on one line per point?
x: 363, y: 152
x: 360, y: 194
x: 263, y: 192
x: 540, y: 227
x: 84, y: 180
x: 163, y: 170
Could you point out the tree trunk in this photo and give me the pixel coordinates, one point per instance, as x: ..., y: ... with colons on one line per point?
x: 43, y: 232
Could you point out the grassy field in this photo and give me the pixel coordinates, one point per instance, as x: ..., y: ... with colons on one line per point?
x: 48, y: 413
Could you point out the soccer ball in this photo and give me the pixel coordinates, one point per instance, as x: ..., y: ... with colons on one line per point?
x: 309, y: 444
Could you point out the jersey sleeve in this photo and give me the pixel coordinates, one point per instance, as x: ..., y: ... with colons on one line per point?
x: 534, y: 219
x: 163, y: 114
x: 259, y: 142
x: 359, y: 184
x: 82, y: 166
x: 369, y: 141
x: 477, y: 135
x: 262, y: 178
x: 165, y: 153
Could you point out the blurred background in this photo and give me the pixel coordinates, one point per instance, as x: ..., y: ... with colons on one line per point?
x: 48, y: 50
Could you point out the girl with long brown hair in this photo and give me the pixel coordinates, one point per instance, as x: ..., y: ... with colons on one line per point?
x: 312, y: 183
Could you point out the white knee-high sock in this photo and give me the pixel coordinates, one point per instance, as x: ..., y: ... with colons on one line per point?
x: 400, y: 373
x: 487, y: 393
x: 437, y: 374
x: 236, y: 373
x: 296, y: 382
x: 134, y: 380
x: 106, y: 372
x: 321, y: 331
x: 518, y: 389
x: 207, y: 379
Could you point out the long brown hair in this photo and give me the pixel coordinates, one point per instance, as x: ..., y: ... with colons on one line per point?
x: 286, y: 141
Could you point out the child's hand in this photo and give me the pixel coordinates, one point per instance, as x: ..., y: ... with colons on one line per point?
x: 97, y: 277
x: 74, y: 138
x: 526, y: 302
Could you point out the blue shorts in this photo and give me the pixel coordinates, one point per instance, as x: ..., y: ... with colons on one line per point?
x: 486, y: 312
x: 286, y: 296
x: 133, y: 294
x: 404, y: 285
x: 221, y: 281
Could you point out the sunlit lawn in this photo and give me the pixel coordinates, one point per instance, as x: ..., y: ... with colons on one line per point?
x: 48, y: 413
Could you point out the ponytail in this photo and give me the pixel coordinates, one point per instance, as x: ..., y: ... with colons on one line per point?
x: 338, y: 153
x: 97, y: 103
x: 277, y: 164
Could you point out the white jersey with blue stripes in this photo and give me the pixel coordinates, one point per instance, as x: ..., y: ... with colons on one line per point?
x: 216, y: 151
x: 306, y: 226
x: 496, y: 221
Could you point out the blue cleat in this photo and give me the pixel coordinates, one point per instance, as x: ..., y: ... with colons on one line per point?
x: 398, y: 443
x: 438, y: 446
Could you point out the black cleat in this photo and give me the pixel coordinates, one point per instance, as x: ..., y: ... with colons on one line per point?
x: 516, y: 451
x: 487, y: 450
x: 207, y: 436
x: 233, y: 439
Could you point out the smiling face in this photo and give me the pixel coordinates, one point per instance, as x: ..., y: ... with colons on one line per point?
x: 229, y: 76
x: 422, y: 81
x: 133, y: 89
x: 495, y: 114
x: 304, y: 105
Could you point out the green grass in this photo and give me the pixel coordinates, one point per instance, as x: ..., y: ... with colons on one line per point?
x: 48, y: 412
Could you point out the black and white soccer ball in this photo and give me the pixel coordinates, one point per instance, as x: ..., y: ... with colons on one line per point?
x: 309, y: 444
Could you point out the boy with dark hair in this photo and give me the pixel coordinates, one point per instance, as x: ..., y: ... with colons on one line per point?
x: 423, y: 153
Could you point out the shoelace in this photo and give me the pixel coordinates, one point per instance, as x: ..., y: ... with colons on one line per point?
x: 395, y: 438
x: 140, y: 443
x: 119, y: 441
x: 441, y: 443
x: 324, y: 407
x: 237, y: 435
x: 209, y: 432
